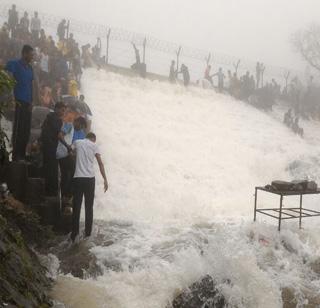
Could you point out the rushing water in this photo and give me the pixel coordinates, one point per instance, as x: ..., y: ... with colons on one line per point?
x: 182, y: 166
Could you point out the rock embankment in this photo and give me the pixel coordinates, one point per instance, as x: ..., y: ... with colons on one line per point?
x: 23, y: 280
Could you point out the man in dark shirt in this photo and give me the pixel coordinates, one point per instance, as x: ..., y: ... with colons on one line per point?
x: 51, y: 134
x: 22, y: 72
x: 61, y: 31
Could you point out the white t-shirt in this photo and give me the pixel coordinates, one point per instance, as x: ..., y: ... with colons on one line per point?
x: 85, y: 151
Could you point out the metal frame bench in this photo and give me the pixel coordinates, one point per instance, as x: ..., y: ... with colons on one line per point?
x: 283, y: 213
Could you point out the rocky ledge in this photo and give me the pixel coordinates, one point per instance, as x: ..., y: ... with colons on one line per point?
x: 23, y: 280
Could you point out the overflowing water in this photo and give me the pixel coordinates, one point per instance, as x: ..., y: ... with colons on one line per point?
x: 182, y: 166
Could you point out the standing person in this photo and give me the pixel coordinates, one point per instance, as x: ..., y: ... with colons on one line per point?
x: 230, y: 85
x: 22, y: 72
x: 262, y: 69
x: 35, y: 27
x: 25, y: 23
x: 258, y: 74
x: 61, y: 31
x: 221, y: 77
x: 185, y: 74
x: 51, y: 134
x: 44, y: 66
x: 207, y: 75
x: 173, y: 72
x: 72, y: 86
x: 76, y: 66
x: 13, y: 19
x: 71, y: 133
x: 84, y: 182
x: 71, y: 42
x: 137, y: 54
x: 138, y: 66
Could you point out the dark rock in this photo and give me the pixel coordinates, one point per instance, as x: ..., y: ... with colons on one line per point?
x: 22, y: 220
x: 315, y: 266
x: 49, y: 211
x: 201, y: 294
x: 310, y: 297
x: 79, y: 261
x: 288, y: 298
x: 17, y: 178
x: 65, y: 222
x: 23, y: 280
x: 35, y: 190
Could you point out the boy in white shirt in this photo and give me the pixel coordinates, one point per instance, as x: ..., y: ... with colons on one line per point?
x: 84, y: 182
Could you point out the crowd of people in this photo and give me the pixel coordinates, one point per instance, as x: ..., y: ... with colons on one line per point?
x: 48, y: 70
x: 246, y: 87
x: 304, y: 100
x: 293, y: 123
x: 47, y: 73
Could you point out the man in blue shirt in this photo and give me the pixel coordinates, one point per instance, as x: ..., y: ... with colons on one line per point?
x: 22, y: 72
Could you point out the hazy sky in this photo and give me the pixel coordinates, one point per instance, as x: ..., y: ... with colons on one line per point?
x: 253, y: 29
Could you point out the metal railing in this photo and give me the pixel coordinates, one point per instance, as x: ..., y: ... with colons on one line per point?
x: 118, y: 48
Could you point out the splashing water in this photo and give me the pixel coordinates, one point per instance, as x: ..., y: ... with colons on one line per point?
x: 182, y: 165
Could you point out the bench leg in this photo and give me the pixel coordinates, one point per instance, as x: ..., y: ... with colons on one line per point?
x: 255, y: 205
x: 300, y: 217
x: 280, y: 213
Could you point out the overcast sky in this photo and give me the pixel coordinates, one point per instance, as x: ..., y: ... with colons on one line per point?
x: 253, y: 29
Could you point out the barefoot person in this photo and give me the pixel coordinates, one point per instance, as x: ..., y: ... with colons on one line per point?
x: 84, y: 182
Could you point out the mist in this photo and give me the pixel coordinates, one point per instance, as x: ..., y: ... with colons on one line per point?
x: 249, y: 29
x: 197, y: 106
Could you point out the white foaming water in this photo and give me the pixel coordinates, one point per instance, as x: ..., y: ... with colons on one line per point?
x: 182, y: 165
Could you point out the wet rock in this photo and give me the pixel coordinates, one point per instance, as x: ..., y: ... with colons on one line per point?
x: 307, y: 298
x: 23, y: 280
x: 79, y: 261
x: 21, y: 219
x: 288, y: 298
x: 201, y: 294
x: 315, y: 266
x: 312, y: 297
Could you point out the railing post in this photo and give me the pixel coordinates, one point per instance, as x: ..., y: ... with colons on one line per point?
x: 208, y: 59
x: 262, y: 75
x: 178, y: 57
x: 68, y: 29
x: 108, y: 40
x: 144, y: 49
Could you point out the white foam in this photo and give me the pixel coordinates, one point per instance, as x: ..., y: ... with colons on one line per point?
x: 182, y: 165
